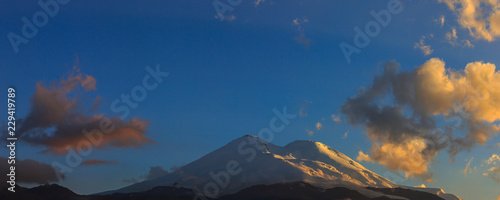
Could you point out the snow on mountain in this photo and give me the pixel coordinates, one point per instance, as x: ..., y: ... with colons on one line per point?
x: 249, y: 161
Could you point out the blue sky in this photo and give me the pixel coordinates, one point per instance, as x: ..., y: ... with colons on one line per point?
x: 227, y: 76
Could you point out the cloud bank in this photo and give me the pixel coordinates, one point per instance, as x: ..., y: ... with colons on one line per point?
x: 31, y: 171
x: 58, y: 121
x: 154, y: 172
x: 411, y: 116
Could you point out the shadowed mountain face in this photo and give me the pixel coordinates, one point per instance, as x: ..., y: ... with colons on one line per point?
x: 282, y: 191
x: 303, y: 191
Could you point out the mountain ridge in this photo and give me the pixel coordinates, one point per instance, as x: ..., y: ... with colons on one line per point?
x: 280, y: 191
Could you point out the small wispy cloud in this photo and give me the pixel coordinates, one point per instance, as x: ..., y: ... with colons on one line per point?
x: 345, y: 135
x: 258, y: 2
x: 440, y: 20
x: 336, y: 119
x: 301, y: 38
x: 426, y: 49
x: 304, y: 108
x: 467, y: 169
x: 494, y: 171
x: 319, y: 126
x: 452, y: 37
x: 310, y: 133
x: 468, y: 44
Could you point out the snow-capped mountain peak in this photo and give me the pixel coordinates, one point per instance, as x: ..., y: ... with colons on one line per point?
x: 261, y: 162
x: 250, y: 160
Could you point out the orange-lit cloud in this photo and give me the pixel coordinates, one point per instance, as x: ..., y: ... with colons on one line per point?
x: 98, y: 162
x: 58, y: 121
x: 426, y: 49
x: 452, y: 37
x: 405, y: 132
x: 480, y: 17
x: 319, y: 126
x: 493, y: 159
x: 494, y: 168
x: 408, y: 156
x: 441, y: 20
x: 467, y: 167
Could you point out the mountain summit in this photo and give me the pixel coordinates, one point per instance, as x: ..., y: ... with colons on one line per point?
x: 250, y: 160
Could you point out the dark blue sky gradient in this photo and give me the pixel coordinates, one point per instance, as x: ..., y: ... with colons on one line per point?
x: 226, y: 77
